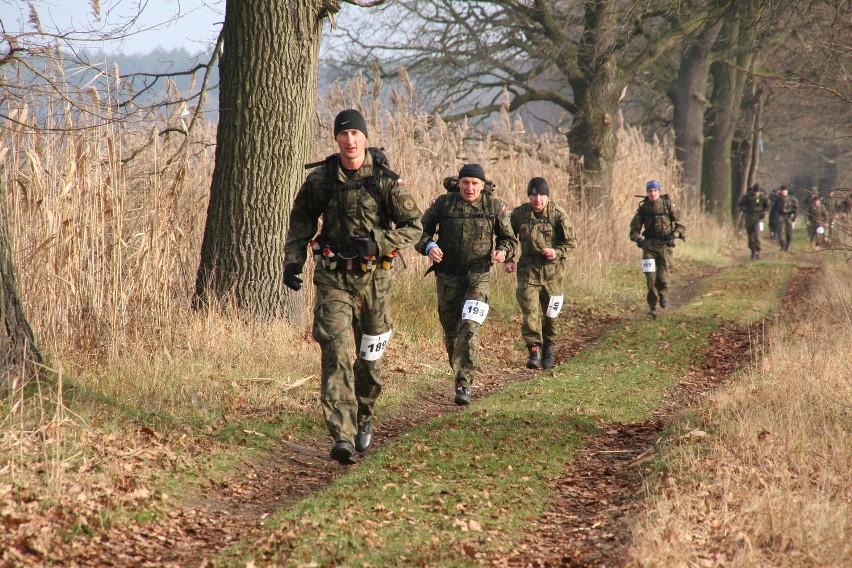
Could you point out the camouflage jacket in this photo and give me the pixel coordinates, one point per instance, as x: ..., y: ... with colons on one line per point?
x: 818, y: 216
x: 786, y: 206
x: 753, y: 204
x: 467, y: 231
x: 657, y: 221
x: 551, y: 228
x: 349, y: 206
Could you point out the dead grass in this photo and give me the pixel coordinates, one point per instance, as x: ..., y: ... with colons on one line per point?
x: 770, y: 486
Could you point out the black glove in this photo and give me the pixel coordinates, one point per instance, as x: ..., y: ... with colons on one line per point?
x: 671, y: 241
x: 365, y: 246
x: 290, y: 279
x: 640, y: 243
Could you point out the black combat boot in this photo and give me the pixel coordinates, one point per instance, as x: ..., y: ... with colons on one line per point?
x: 342, y: 452
x: 534, y: 362
x: 364, y: 438
x: 462, y: 395
x: 664, y: 301
x: 548, y: 355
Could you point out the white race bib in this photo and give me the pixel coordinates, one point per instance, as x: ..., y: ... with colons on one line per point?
x: 474, y: 310
x: 373, y: 346
x: 554, y: 306
x: 820, y: 230
x: 760, y: 226
x: 648, y: 265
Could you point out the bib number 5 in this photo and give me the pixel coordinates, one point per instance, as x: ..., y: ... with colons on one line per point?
x: 474, y: 310
x: 373, y: 346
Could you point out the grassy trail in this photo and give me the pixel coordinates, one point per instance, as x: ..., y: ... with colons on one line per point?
x: 465, y: 487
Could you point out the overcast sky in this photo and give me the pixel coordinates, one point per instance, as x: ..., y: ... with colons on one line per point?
x: 191, y: 24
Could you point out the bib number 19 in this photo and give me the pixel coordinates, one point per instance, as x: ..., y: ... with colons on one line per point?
x: 474, y: 310
x: 373, y: 346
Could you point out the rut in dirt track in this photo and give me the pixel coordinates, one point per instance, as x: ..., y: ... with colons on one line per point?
x: 586, y: 526
x: 226, y: 514
x: 588, y: 523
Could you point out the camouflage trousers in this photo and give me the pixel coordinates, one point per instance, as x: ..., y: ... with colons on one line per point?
x: 348, y: 305
x: 657, y: 282
x: 752, y: 227
x: 461, y: 336
x: 785, y: 231
x: 533, y: 299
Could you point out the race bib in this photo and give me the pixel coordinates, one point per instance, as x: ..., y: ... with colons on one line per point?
x: 648, y: 265
x: 474, y: 310
x: 820, y: 230
x: 554, y: 306
x: 760, y: 226
x: 373, y: 346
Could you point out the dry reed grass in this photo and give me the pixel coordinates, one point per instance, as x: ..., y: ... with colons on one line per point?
x: 771, y: 485
x: 107, y: 247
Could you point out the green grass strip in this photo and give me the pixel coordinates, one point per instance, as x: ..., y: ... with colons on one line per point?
x: 469, y: 482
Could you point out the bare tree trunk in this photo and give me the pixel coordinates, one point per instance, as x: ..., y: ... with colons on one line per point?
x: 721, y: 117
x: 17, y: 343
x: 268, y: 91
x: 689, y: 99
x: 597, y: 94
x: 745, y: 150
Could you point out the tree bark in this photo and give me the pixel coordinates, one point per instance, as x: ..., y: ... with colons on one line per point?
x: 596, y: 93
x: 721, y: 117
x: 18, y: 343
x: 745, y: 150
x: 689, y: 99
x: 267, y: 100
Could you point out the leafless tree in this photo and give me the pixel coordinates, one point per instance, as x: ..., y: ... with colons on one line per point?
x: 568, y: 61
x: 268, y: 88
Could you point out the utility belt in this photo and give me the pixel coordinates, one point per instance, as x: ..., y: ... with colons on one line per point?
x: 459, y: 269
x: 334, y: 257
x: 657, y: 236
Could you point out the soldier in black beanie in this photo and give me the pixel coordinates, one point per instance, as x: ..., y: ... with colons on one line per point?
x: 546, y: 237
x: 473, y: 231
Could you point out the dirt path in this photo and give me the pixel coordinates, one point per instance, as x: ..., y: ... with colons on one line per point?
x: 587, y: 526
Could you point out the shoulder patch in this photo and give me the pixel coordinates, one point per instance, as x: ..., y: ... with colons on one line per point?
x: 431, y: 203
x: 400, y: 182
x: 503, y: 208
x: 408, y: 203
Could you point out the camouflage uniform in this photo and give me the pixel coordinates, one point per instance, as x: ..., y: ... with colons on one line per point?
x: 832, y: 207
x: 538, y: 277
x: 659, y: 224
x: 785, y: 209
x: 466, y: 234
x: 350, y: 302
x: 818, y: 217
x: 754, y: 205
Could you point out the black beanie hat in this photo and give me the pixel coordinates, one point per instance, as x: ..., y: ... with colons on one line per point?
x: 349, y: 119
x: 538, y: 186
x: 472, y: 171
